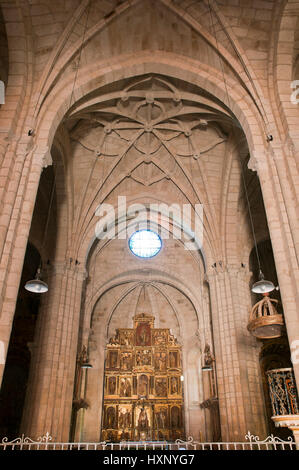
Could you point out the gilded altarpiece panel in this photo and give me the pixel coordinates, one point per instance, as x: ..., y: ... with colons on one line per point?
x: 143, y: 396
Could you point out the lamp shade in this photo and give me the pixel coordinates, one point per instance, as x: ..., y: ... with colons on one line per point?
x: 262, y: 286
x: 36, y: 285
x: 86, y: 365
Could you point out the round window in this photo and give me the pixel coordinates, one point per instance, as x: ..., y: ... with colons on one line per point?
x: 145, y: 243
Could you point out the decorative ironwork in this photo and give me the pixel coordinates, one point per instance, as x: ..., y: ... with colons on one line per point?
x: 46, y: 443
x: 22, y: 443
x: 269, y: 440
x: 283, y: 392
x: 264, y: 320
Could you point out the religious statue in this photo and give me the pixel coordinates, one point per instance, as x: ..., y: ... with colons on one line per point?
x: 143, y: 386
x: 143, y: 335
x: 126, y: 338
x: 143, y: 422
x: 208, y: 357
x: 160, y: 337
x: 126, y: 361
x: 83, y: 357
x: 125, y: 388
x: 160, y: 360
x: 161, y: 418
x: 111, y: 385
x: 124, y: 419
x: 143, y: 358
x: 174, y: 385
x: 172, y: 339
x: 110, y: 423
x: 173, y: 359
x: 113, y: 355
x: 114, y: 339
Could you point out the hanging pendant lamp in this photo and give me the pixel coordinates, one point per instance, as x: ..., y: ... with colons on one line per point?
x: 36, y: 285
x: 262, y: 286
x: 86, y: 365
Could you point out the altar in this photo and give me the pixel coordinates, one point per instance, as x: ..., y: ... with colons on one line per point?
x: 143, y: 396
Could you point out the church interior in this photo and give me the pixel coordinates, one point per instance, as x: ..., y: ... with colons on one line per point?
x: 149, y: 223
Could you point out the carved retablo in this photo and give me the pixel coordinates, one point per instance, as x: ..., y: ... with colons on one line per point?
x: 143, y: 395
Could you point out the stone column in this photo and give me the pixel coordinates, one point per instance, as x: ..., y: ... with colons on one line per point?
x: 19, y: 194
x: 49, y: 397
x: 285, y: 166
x: 281, y: 207
x: 236, y: 353
x: 195, y: 425
x: 95, y: 385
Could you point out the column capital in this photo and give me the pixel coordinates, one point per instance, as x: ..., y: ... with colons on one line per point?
x: 242, y: 272
x: 257, y: 158
x: 231, y: 270
x: 25, y: 146
x: 65, y: 269
x: 42, y: 155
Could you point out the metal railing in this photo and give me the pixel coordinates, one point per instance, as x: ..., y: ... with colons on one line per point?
x: 283, y: 392
x: 251, y: 443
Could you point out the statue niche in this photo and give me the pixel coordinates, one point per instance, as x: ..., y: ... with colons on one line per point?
x: 143, y: 334
x: 143, y: 386
x: 143, y: 397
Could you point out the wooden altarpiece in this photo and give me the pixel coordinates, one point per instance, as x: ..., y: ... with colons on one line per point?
x: 143, y: 396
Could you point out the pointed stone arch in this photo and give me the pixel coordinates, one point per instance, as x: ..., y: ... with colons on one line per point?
x: 284, y: 67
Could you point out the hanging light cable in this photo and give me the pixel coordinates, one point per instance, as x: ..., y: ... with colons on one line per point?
x: 36, y: 285
x: 77, y: 66
x: 262, y: 286
x: 264, y: 321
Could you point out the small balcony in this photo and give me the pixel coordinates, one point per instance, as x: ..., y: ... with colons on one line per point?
x: 284, y: 399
